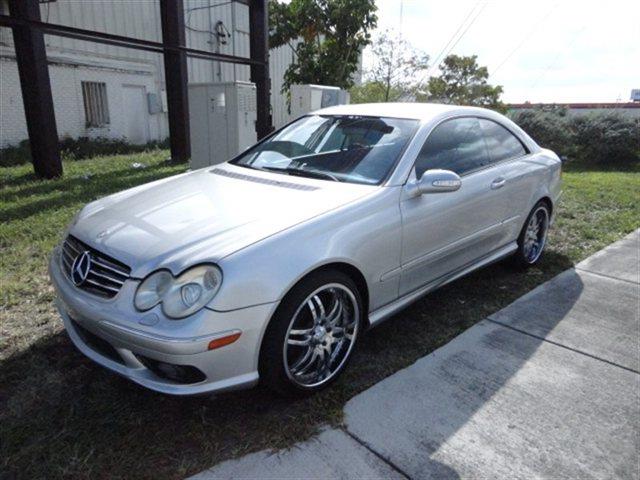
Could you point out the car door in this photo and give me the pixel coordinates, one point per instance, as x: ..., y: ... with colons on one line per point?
x: 443, y: 232
x: 516, y: 176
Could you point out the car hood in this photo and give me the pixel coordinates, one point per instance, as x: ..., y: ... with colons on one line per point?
x: 204, y: 215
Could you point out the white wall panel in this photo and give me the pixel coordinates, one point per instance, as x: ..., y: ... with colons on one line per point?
x: 138, y: 19
x: 133, y: 18
x: 279, y: 60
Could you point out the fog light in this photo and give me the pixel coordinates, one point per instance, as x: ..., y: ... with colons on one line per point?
x: 184, y: 374
x: 172, y: 372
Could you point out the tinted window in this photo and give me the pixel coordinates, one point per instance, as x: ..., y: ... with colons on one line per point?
x: 502, y: 144
x: 456, y: 145
x: 347, y: 148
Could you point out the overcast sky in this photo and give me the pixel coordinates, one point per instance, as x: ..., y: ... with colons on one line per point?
x: 538, y: 50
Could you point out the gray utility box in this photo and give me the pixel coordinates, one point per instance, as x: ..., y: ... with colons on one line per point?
x: 307, y: 98
x: 223, y: 121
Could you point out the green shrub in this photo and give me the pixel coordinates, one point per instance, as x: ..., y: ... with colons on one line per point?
x: 15, y: 154
x: 549, y: 128
x: 78, y: 149
x: 599, y: 137
x: 607, y: 137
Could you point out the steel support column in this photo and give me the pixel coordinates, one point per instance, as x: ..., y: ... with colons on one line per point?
x: 259, y: 51
x: 31, y: 57
x: 176, y: 77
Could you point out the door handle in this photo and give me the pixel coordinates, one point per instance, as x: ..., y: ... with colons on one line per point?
x: 498, y: 183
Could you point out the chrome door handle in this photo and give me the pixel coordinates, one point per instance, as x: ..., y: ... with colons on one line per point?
x: 498, y: 183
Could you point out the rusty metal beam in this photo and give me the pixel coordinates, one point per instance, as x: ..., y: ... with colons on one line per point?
x: 31, y: 57
x: 29, y: 31
x: 118, y: 40
x: 259, y: 53
x: 176, y: 78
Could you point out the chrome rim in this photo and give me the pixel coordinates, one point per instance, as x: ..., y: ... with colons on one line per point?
x: 535, y: 235
x: 321, y: 335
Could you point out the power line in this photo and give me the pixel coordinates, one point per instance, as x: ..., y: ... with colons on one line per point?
x: 448, y: 46
x: 475, y: 5
x: 551, y: 64
x: 527, y: 37
x: 468, y: 27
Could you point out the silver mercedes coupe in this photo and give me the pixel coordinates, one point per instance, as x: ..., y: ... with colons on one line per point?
x: 271, y: 266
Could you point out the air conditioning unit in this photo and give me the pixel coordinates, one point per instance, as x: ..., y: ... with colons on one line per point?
x: 223, y: 121
x: 307, y: 98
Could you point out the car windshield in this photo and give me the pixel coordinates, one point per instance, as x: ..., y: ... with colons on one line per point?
x: 345, y: 148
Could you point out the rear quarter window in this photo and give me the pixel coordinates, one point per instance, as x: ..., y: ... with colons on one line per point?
x: 501, y: 143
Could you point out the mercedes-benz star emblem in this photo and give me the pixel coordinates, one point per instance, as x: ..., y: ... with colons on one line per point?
x: 80, y: 268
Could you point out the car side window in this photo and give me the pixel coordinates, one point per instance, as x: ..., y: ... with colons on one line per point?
x: 457, y: 145
x: 502, y: 144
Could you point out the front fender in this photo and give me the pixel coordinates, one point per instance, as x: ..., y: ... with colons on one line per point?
x: 365, y: 235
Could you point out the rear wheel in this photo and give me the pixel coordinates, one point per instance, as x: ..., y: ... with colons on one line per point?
x: 312, y: 335
x: 533, y: 236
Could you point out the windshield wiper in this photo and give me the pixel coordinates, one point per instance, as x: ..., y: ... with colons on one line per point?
x: 301, y: 172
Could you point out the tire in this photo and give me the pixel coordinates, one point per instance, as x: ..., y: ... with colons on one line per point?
x: 291, y: 359
x: 529, y: 249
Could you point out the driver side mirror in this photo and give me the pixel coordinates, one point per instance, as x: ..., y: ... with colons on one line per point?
x: 438, y: 181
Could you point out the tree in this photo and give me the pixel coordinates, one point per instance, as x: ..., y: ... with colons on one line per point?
x: 374, y: 92
x: 395, y: 66
x: 463, y: 82
x: 332, y: 34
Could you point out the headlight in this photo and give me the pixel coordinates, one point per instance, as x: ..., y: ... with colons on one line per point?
x: 181, y: 296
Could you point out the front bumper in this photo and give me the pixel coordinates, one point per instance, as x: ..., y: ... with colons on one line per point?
x: 147, y: 347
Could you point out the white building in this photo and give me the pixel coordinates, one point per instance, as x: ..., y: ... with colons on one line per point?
x: 114, y: 92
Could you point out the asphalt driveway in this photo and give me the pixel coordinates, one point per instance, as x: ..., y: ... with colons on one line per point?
x: 547, y: 387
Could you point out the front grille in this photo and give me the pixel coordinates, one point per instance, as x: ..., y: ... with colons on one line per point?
x: 106, y: 275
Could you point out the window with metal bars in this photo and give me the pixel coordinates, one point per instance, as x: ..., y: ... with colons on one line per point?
x: 96, y: 107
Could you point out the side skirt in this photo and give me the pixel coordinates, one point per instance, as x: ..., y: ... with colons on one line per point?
x: 382, y: 313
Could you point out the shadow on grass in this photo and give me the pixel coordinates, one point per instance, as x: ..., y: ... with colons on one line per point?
x: 61, y: 415
x: 77, y: 189
x: 16, y: 180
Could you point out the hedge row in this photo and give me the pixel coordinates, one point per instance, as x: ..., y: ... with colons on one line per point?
x: 599, y: 137
x: 77, y: 149
x: 604, y: 137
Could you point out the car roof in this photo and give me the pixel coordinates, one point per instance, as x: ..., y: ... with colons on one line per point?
x: 418, y: 111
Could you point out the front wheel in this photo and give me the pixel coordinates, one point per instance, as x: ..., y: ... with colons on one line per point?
x: 312, y: 335
x: 533, y: 236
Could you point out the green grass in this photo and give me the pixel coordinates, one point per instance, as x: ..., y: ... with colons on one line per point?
x: 34, y: 213
x: 63, y: 416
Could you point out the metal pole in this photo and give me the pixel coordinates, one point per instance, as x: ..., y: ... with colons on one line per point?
x: 31, y: 57
x: 259, y: 51
x: 176, y: 76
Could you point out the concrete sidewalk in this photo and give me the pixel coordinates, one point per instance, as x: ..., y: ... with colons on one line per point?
x: 547, y: 387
